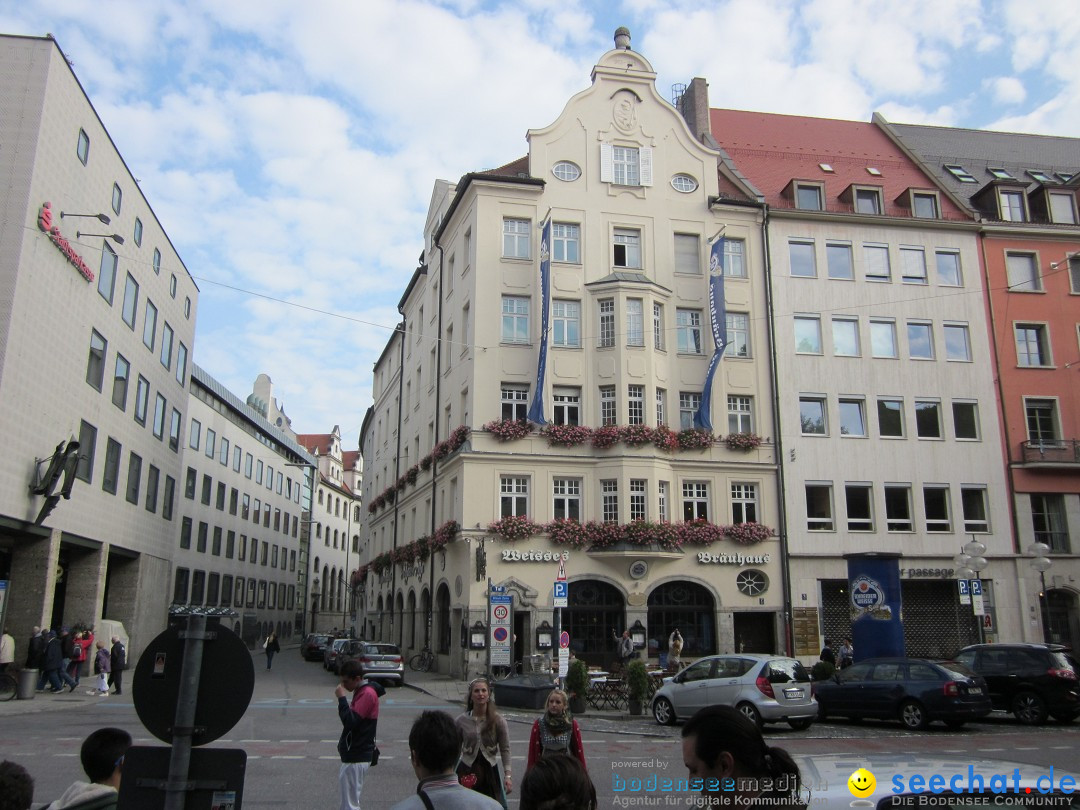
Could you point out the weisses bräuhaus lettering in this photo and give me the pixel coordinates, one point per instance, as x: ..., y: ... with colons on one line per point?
x: 733, y: 559
x: 512, y: 555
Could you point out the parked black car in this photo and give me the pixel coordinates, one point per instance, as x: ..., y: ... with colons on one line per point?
x: 1029, y: 680
x: 915, y: 691
x: 313, y: 646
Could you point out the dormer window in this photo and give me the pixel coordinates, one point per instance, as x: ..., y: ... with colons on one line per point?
x: 960, y: 173
x: 924, y: 204
x: 1039, y: 176
x: 1011, y: 205
x: 1000, y: 174
x: 1065, y: 177
x: 1062, y: 207
x: 867, y: 201
x: 808, y: 196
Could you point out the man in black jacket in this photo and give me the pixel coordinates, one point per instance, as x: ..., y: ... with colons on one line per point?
x: 359, y: 720
x: 117, y: 662
x: 35, y: 649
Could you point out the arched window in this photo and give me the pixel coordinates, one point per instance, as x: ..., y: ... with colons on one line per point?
x: 400, y: 619
x: 596, y: 611
x: 442, y: 618
x: 410, y: 620
x: 685, y: 605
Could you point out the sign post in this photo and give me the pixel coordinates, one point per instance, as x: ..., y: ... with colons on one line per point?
x: 977, y: 605
x: 501, y: 641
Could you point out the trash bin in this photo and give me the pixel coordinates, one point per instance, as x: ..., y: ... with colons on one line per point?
x: 523, y: 691
x: 28, y: 679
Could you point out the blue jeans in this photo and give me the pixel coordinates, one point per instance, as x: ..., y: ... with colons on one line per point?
x: 269, y: 658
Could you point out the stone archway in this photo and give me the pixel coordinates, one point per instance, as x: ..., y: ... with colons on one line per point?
x: 595, y: 611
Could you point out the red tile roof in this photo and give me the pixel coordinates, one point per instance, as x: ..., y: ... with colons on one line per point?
x: 313, y: 442
x: 350, y: 459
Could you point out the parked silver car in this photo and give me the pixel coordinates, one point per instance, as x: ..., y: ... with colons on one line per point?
x: 766, y: 688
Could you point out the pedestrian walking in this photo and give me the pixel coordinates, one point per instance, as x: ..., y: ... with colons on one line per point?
x: 485, y: 745
x: 827, y: 654
x: 35, y: 649
x: 271, y: 646
x: 434, y: 747
x: 675, y: 645
x: 117, y: 664
x: 53, y: 670
x: 359, y: 721
x: 624, y: 646
x: 79, y: 655
x: 847, y: 654
x: 102, y: 665
x: 558, y: 781
x: 7, y: 651
x: 102, y: 757
x: 555, y: 732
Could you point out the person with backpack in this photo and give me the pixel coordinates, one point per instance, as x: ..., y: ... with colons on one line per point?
x: 271, y: 646
x: 359, y: 715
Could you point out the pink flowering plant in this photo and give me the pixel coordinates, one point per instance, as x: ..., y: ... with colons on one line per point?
x: 636, y: 435
x: 606, y: 436
x: 508, y: 430
x: 746, y: 534
x: 695, y: 439
x: 445, y: 535
x: 699, y: 533
x: 665, y: 438
x: 742, y: 441
x: 412, y: 474
x: 514, y: 527
x: 647, y: 533
x: 565, y: 532
x: 566, y: 435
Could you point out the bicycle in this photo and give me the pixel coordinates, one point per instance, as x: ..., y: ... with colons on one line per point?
x: 423, y: 661
x: 8, y: 686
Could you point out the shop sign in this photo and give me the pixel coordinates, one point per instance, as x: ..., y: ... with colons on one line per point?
x: 734, y: 559
x: 62, y: 244
x: 927, y: 573
x: 867, y: 595
x: 513, y: 555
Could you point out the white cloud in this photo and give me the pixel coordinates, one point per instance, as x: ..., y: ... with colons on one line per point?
x: 1007, y: 89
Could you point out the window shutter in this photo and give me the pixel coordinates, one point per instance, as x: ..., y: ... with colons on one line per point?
x: 607, y: 171
x: 646, y: 165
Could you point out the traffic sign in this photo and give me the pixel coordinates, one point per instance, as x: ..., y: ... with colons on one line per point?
x: 564, y: 640
x: 561, y: 593
x: 977, y: 597
x: 498, y: 589
x: 965, y: 591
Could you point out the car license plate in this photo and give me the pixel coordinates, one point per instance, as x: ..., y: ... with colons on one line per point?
x: 975, y: 690
x: 793, y: 693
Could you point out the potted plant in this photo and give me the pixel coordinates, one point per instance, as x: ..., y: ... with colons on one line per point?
x: 577, y: 684
x: 637, y: 685
x: 822, y: 671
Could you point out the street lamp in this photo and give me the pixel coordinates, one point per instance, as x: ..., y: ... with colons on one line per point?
x: 969, y: 563
x: 1041, y: 563
x: 316, y: 592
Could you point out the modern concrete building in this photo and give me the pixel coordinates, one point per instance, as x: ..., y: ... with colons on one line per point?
x: 620, y: 202
x: 97, y: 326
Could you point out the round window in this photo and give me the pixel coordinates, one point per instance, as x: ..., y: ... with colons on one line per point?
x: 684, y: 183
x: 752, y: 582
x: 565, y: 170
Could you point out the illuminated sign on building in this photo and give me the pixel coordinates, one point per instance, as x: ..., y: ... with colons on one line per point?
x: 62, y: 244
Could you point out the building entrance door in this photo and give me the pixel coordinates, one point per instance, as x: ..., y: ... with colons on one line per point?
x: 755, y: 633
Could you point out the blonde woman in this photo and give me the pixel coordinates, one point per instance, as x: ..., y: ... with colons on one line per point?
x: 485, y: 745
x: 556, y: 732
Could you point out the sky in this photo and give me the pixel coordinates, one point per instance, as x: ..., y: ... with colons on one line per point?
x: 290, y: 149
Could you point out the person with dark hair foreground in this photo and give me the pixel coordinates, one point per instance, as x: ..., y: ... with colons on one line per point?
x: 557, y: 782
x: 16, y: 787
x: 434, y: 748
x: 102, y: 756
x: 358, y: 710
x: 725, y: 751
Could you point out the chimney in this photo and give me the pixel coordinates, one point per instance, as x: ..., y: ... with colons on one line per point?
x: 622, y: 38
x: 693, y: 104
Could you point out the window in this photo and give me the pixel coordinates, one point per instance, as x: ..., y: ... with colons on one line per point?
x: 516, y: 238
x: 236, y: 458
x: 852, y: 417
x: 976, y: 515
x: 819, y: 513
x: 189, y: 483
x: 515, y: 403
x: 514, y: 495
x: 898, y: 508
x: 625, y: 166
x: 149, y: 325
x: 166, y: 346
x: 957, y: 342
x: 924, y: 205
x: 661, y: 406
x: 637, y: 498
x: 890, y: 414
x: 1062, y: 208
x: 134, y: 477
x: 609, y: 501
x: 662, y: 500
x: 936, y: 509
x: 688, y: 330
x: 740, y: 414
x: 142, y: 399
x: 877, y: 262
x: 565, y: 170
x: 883, y: 339
x: 607, y: 322
x: 999, y: 173
x: 627, y: 248
x: 689, y: 403
x: 867, y: 201
x: 110, y: 476
x: 808, y: 197
x: 138, y: 232
x: 153, y: 476
x: 1032, y: 349
x: 948, y: 268
x: 688, y: 254
x: 913, y: 265
x: 107, y: 273
x: 180, y: 588
x: 566, y: 504
x: 234, y: 501
x: 658, y: 326
x: 920, y: 341
x: 95, y: 361
x: 1048, y: 521
x: 194, y: 434
x: 927, y: 419
x: 607, y: 405
x: 734, y: 258
x: 157, y: 262
x: 169, y: 498
x: 565, y: 243
x: 84, y: 470
x: 684, y: 183
x: 174, y: 430
x: 1022, y: 272
x: 211, y: 448
x: 807, y: 334
x: 738, y: 334
x: 515, y: 319
x: 859, y: 499
x: 845, y: 337
x: 1011, y: 205
x: 219, y: 501
x: 636, y: 397
x: 743, y: 503
x: 208, y: 489
x: 812, y: 416
x: 131, y: 301
x: 695, y: 497
x: 965, y: 420
x: 117, y: 198
x: 82, y: 148
x: 801, y: 257
x: 840, y: 262
x: 960, y: 173
x: 635, y: 322
x: 1042, y: 422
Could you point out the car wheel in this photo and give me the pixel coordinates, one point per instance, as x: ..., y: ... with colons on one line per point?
x: 800, y: 725
x: 750, y: 712
x: 1029, y: 708
x: 663, y: 712
x: 913, y: 715
x: 955, y: 725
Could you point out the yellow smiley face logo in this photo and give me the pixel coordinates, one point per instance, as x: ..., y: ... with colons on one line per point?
x: 861, y: 783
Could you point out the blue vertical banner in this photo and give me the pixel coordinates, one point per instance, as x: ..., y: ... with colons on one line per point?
x: 536, y: 408
x: 875, y: 606
x: 718, y: 322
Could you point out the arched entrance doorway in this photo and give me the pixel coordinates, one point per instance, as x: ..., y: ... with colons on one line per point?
x: 595, y: 610
x: 685, y: 605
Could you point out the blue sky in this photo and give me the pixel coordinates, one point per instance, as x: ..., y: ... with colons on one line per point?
x: 290, y: 149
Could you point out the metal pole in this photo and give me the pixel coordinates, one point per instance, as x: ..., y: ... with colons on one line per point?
x: 1044, y: 601
x: 183, y: 726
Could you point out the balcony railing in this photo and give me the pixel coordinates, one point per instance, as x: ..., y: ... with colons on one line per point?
x: 1053, y: 452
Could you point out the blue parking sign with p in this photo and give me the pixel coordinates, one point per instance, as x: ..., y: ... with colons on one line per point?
x: 561, y: 590
x: 963, y: 583
x: 976, y: 587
